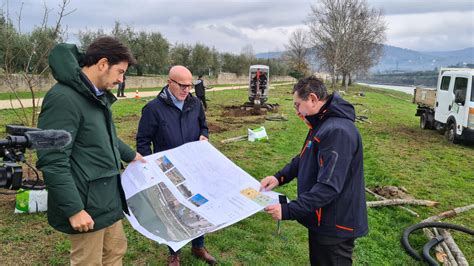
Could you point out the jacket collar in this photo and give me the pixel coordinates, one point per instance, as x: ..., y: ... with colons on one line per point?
x: 91, y: 93
x: 335, y: 106
x: 165, y: 95
x: 315, y: 119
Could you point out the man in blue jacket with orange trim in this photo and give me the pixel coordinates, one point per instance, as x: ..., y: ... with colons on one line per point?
x: 331, y: 190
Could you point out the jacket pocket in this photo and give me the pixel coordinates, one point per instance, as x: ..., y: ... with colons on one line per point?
x: 344, y: 228
x: 103, y: 196
x: 345, y: 218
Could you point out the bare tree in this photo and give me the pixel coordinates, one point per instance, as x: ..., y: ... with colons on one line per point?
x: 25, y: 56
x: 248, y: 52
x: 347, y: 35
x: 297, y: 53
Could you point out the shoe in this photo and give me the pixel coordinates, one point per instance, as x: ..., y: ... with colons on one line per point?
x: 203, y: 254
x: 173, y: 260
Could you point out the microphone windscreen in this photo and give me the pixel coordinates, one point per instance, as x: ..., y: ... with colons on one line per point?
x: 48, y: 139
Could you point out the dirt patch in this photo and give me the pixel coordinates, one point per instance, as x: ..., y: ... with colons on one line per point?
x: 7, y: 200
x: 392, y: 192
x: 216, y: 128
x: 132, y: 134
x: 237, y: 111
x: 233, y: 117
x: 235, y: 122
x: 127, y: 118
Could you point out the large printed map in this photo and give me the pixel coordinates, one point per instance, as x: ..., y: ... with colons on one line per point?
x: 182, y: 193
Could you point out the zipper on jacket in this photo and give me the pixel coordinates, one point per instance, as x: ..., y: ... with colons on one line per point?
x: 304, y: 148
x: 319, y: 214
x: 307, y: 143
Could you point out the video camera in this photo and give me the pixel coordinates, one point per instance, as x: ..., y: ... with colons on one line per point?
x: 13, y: 147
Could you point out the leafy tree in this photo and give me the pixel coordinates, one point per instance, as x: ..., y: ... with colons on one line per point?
x: 180, y: 54
x: 150, y: 49
x: 201, y: 57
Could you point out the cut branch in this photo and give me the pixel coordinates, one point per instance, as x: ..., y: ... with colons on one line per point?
x: 391, y: 202
x: 441, y: 255
x: 457, y: 253
x: 383, y: 198
x: 447, y: 214
x: 450, y: 259
x: 235, y: 139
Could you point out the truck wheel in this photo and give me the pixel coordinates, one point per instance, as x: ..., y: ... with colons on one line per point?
x: 451, y: 135
x: 424, y: 123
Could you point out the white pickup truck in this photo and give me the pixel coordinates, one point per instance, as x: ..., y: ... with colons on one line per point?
x: 450, y: 107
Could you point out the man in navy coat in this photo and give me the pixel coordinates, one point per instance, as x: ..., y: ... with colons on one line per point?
x: 174, y: 118
x: 329, y: 168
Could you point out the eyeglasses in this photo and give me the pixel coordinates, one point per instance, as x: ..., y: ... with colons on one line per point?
x: 296, y: 106
x: 182, y: 86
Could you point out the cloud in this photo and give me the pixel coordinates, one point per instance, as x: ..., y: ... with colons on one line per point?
x: 422, y: 6
x: 431, y: 31
x: 265, y: 24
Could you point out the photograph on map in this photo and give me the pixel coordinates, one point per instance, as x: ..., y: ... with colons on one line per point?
x: 184, y: 190
x: 175, y: 176
x: 164, y: 163
x: 160, y: 213
x: 198, y: 200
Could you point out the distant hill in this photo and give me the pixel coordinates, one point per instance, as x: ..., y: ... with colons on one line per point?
x: 396, y: 59
x: 269, y: 55
x: 399, y: 59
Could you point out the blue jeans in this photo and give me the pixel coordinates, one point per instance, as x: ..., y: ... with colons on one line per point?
x: 196, y: 243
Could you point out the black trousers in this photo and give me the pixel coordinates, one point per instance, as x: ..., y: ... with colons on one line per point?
x: 203, y: 100
x: 330, y: 251
x: 121, y: 89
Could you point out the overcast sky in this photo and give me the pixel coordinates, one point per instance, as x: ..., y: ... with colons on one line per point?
x: 422, y: 25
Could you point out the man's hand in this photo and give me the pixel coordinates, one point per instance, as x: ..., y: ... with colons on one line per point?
x: 202, y: 137
x: 139, y: 157
x: 274, y: 210
x: 268, y: 183
x: 81, y: 221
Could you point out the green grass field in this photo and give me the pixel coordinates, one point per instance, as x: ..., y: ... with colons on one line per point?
x: 396, y: 152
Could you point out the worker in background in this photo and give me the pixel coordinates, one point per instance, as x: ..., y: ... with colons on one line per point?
x: 200, y: 90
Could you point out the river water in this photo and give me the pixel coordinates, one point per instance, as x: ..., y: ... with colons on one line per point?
x: 404, y: 89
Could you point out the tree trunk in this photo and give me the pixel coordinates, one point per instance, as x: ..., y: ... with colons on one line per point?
x: 344, y: 79
x: 139, y: 70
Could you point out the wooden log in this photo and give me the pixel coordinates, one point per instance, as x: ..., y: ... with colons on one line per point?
x: 239, y: 138
x: 447, y: 214
x: 391, y: 202
x: 457, y: 253
x: 383, y: 198
x: 441, y: 256
x: 450, y: 258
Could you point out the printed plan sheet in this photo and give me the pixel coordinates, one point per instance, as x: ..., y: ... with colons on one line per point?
x: 182, y: 193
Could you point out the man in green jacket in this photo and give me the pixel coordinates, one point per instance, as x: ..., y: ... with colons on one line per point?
x: 85, y: 195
